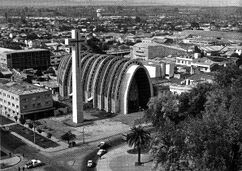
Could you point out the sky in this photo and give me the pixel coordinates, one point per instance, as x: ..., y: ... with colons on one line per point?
x: 128, y: 2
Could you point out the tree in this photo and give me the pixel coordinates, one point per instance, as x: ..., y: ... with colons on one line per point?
x: 16, y: 118
x: 214, y: 141
x: 226, y: 75
x: 165, y: 107
x: 68, y: 136
x: 22, y: 120
x: 49, y: 135
x: 138, y: 138
x: 39, y: 130
x: 197, y: 99
x: 202, y: 129
x: 30, y: 125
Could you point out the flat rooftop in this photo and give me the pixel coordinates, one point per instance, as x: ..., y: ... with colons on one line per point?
x: 21, y: 88
x: 4, y: 50
x: 224, y: 35
x: 26, y: 50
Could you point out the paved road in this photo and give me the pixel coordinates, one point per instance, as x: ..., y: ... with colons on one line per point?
x: 71, y: 159
x: 19, y: 147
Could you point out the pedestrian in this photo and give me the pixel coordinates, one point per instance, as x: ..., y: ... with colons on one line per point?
x: 19, y: 168
x: 23, y: 154
x: 23, y: 168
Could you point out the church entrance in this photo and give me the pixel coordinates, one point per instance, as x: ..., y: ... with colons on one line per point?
x: 139, y: 92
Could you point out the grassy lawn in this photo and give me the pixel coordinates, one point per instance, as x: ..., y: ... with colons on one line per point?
x: 4, y: 120
x: 9, y: 141
x: 28, y: 134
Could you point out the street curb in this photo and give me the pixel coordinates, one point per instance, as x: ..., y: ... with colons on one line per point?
x: 20, y: 159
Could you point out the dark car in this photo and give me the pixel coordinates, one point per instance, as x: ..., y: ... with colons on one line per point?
x: 104, y: 145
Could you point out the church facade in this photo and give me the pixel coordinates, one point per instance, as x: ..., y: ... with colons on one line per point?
x: 111, y: 83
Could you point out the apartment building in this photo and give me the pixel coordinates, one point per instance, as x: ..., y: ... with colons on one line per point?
x: 27, y: 100
x: 22, y: 59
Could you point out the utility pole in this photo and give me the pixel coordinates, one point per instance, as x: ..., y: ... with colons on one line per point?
x: 34, y: 126
x: 34, y: 130
x: 83, y: 135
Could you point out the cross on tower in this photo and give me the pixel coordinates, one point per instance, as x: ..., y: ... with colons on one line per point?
x: 75, y: 43
x: 77, y: 94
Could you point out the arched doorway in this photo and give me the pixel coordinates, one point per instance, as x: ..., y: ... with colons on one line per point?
x: 139, y: 92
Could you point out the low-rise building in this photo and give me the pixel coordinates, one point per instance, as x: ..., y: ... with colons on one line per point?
x: 202, y: 64
x: 27, y: 100
x: 152, y: 50
x: 184, y: 60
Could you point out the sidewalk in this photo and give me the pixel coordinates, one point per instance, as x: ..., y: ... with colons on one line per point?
x: 9, y: 162
x: 120, y: 160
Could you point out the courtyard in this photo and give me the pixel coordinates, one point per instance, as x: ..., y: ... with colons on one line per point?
x: 99, y: 125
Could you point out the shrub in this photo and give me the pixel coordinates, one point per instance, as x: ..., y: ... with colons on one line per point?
x: 22, y: 120
x: 30, y: 125
x: 16, y: 118
x: 49, y: 135
x: 39, y: 130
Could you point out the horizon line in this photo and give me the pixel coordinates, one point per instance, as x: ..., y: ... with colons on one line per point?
x: 92, y: 3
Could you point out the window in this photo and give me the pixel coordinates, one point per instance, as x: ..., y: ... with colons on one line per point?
x: 16, y: 99
x: 25, y: 107
x: 33, y: 105
x: 13, y: 104
x: 12, y: 97
x: 17, y: 106
x: 8, y: 96
x: 38, y: 104
x: 9, y: 103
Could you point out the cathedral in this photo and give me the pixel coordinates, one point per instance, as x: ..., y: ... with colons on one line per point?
x: 111, y: 83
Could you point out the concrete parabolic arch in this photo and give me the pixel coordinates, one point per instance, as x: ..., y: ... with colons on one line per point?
x: 141, y: 73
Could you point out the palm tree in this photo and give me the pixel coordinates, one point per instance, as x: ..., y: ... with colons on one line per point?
x: 138, y: 138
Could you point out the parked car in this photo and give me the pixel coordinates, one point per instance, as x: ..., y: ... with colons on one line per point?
x: 33, y: 163
x: 91, y: 164
x: 101, y: 152
x: 104, y: 145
